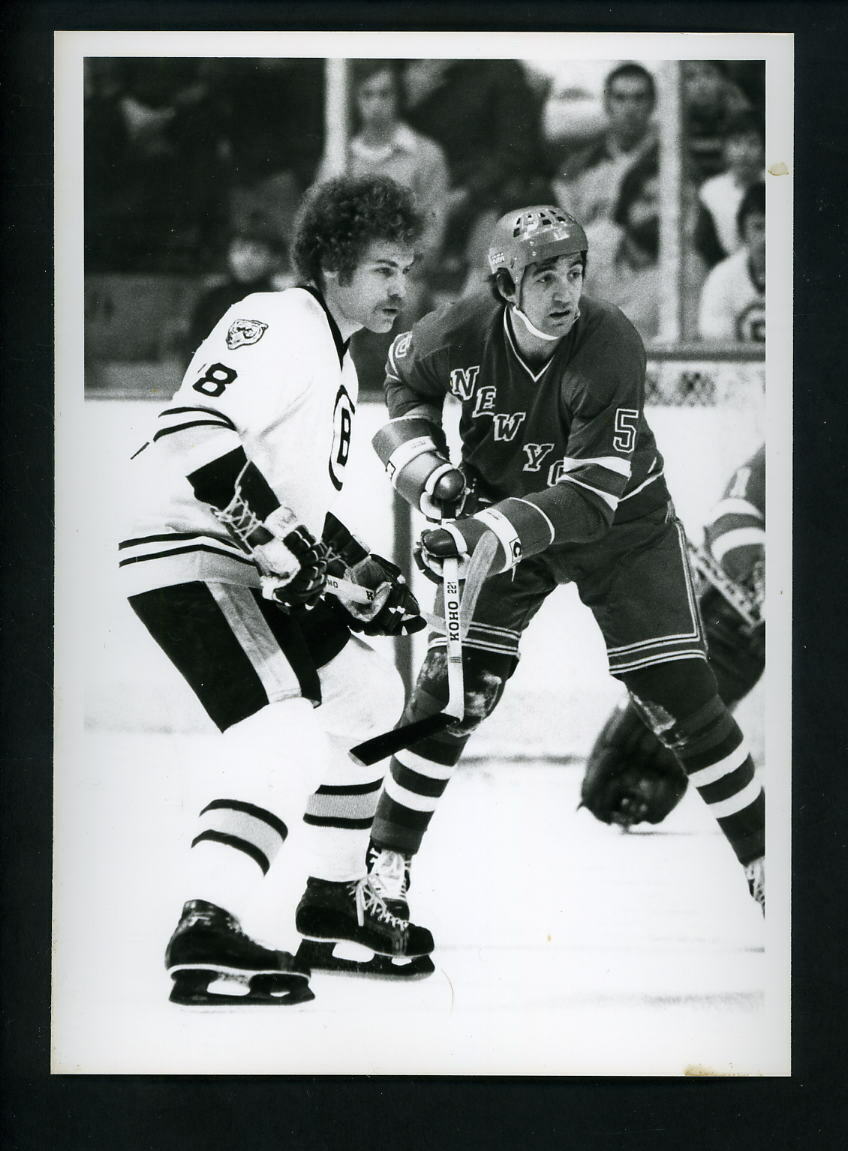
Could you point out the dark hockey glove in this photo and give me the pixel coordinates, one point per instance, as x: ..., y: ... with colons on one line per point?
x: 630, y: 777
x: 414, y: 453
x: 458, y: 539
x: 394, y: 609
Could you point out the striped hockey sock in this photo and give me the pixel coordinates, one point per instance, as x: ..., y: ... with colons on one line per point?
x: 713, y: 751
x: 231, y: 853
x: 338, y: 819
x: 411, y: 794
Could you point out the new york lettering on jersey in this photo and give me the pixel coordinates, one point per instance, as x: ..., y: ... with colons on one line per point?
x: 577, y: 419
x: 269, y: 379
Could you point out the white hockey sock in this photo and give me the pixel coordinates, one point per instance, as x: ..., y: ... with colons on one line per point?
x: 339, y: 816
x: 249, y: 795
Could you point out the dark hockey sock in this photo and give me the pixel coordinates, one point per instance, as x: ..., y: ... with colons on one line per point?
x: 244, y: 828
x: 713, y: 752
x: 411, y: 794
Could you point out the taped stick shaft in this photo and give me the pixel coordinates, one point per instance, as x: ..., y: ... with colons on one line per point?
x: 389, y: 743
x: 356, y: 593
x: 454, y: 611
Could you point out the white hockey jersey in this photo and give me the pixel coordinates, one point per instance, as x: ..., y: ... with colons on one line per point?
x: 733, y: 305
x: 273, y: 377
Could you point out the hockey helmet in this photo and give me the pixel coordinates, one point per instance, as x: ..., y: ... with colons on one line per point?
x: 528, y: 235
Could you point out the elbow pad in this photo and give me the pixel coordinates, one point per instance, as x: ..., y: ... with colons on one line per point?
x: 417, y: 466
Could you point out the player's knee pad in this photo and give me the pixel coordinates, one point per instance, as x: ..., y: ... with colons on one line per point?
x: 665, y: 692
x: 484, y: 682
x: 362, y: 693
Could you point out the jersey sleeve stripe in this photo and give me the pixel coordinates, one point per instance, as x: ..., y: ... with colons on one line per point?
x: 740, y: 537
x: 191, y: 424
x: 611, y: 463
x: 536, y: 508
x: 610, y: 500
x: 181, y: 411
x: 642, y: 486
x: 736, y: 507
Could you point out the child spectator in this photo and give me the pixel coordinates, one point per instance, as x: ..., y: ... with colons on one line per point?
x: 733, y: 299
x: 744, y: 157
x: 254, y: 259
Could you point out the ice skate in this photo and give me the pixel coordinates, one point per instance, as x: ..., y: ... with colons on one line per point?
x: 390, y: 871
x: 755, y: 873
x: 213, y: 962
x: 348, y: 928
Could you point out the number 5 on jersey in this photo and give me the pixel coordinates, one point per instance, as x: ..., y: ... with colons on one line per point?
x: 626, y: 423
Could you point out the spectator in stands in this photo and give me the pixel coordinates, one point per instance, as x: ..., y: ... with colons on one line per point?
x: 486, y: 117
x: 589, y: 183
x: 744, y: 157
x: 624, y: 262
x: 711, y: 100
x: 733, y: 299
x: 254, y: 264
x: 105, y: 140
x: 171, y: 169
x: 275, y: 136
x: 384, y: 144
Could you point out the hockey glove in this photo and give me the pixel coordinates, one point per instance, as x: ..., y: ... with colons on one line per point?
x: 459, y: 539
x: 630, y: 777
x: 394, y: 609
x: 293, y: 563
x: 414, y: 451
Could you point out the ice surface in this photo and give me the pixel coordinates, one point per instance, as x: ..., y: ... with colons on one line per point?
x: 563, y: 946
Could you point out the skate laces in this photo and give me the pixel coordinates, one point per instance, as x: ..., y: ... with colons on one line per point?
x: 389, y: 871
x: 370, y: 902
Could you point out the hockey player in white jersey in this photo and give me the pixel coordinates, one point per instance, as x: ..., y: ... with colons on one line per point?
x: 225, y: 558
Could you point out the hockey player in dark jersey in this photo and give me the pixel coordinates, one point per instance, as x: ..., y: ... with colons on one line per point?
x: 630, y: 776
x: 560, y: 469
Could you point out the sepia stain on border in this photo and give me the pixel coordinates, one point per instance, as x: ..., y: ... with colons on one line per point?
x: 779, y: 169
x: 696, y: 1071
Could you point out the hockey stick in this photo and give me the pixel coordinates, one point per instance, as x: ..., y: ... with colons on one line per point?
x: 745, y: 602
x: 459, y: 610
x: 356, y: 593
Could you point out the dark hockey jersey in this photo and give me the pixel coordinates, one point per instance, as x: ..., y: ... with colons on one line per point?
x: 574, y: 423
x: 736, y: 532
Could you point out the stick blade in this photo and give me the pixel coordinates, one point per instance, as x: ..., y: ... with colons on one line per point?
x: 381, y: 746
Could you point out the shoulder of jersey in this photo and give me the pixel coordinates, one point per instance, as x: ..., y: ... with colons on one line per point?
x: 289, y: 303
x: 601, y: 314
x: 452, y: 322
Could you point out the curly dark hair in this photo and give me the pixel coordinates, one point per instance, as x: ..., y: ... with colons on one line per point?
x: 340, y: 217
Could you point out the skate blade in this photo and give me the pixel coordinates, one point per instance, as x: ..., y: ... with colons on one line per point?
x: 348, y: 958
x: 201, y: 988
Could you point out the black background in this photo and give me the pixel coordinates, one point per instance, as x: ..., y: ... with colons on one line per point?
x: 73, y: 1113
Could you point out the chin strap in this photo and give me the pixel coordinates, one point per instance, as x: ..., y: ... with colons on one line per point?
x: 531, y: 327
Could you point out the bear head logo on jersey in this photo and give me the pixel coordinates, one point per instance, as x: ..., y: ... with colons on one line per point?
x: 244, y: 332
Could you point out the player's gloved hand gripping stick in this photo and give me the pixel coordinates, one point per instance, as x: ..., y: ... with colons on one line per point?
x: 459, y: 609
